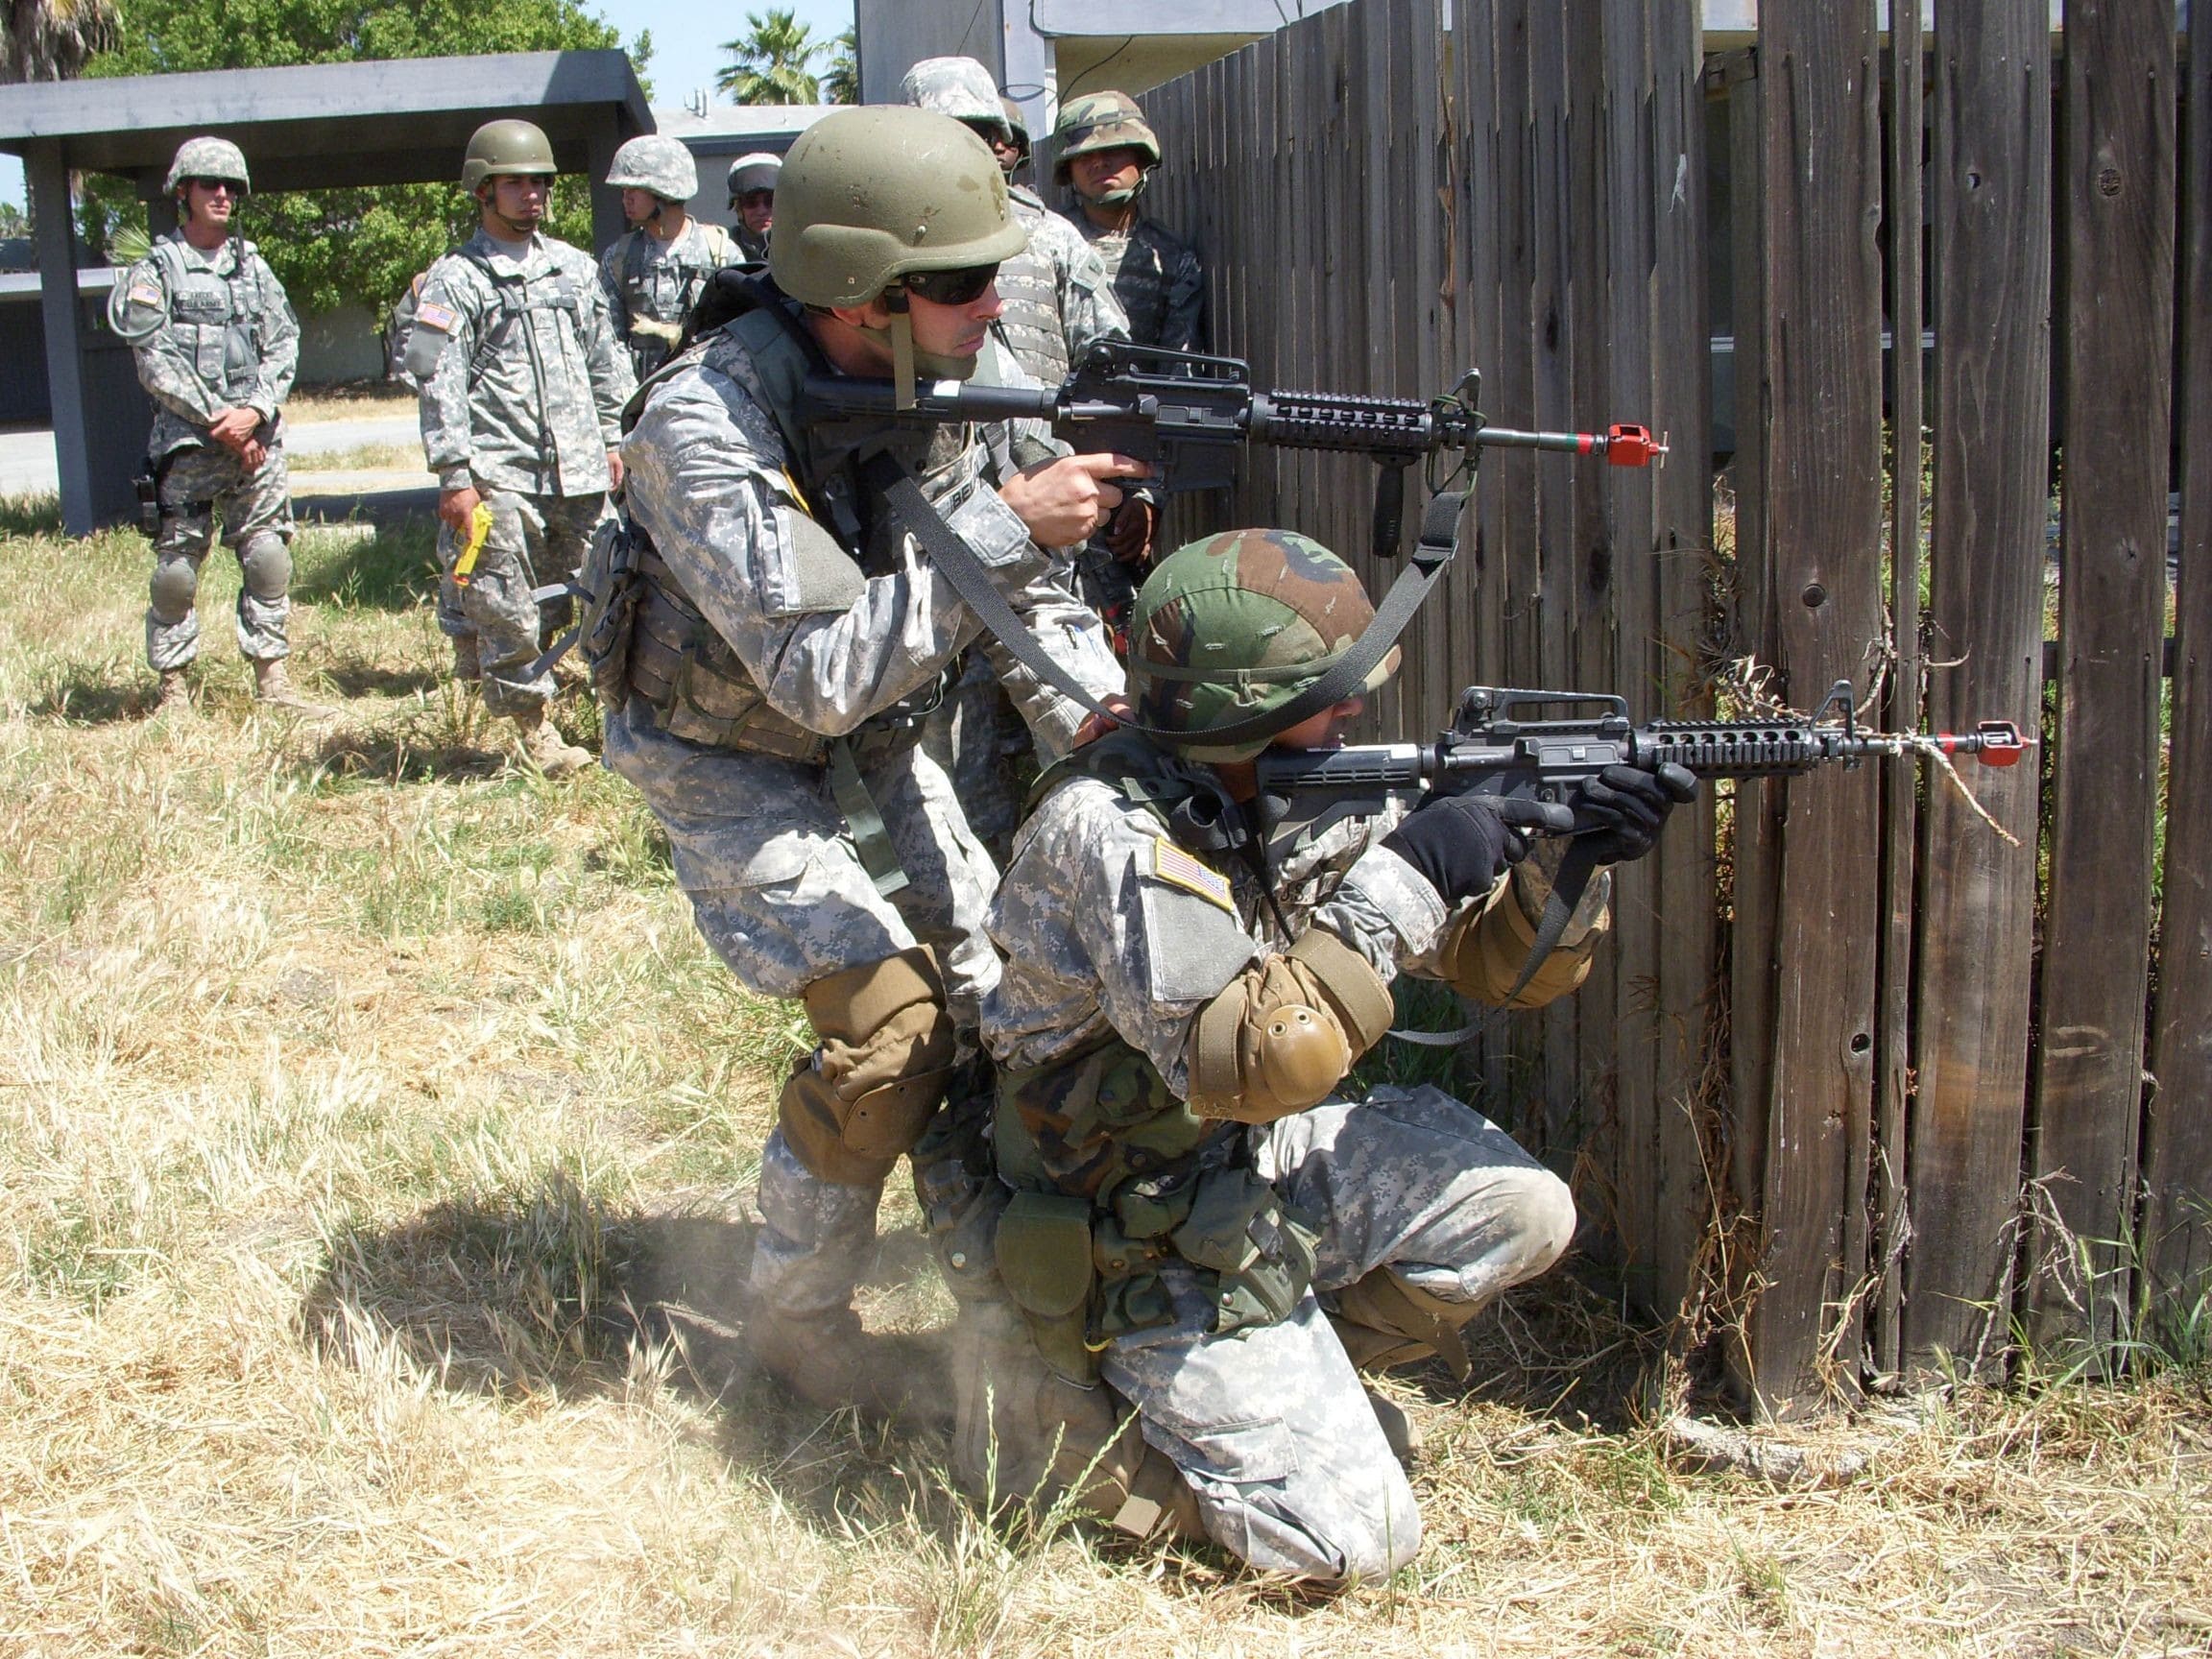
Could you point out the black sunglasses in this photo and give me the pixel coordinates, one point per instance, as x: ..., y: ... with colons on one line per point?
x: 213, y: 184
x: 959, y: 287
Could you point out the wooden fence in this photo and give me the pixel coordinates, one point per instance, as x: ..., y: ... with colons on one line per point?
x: 1861, y: 1082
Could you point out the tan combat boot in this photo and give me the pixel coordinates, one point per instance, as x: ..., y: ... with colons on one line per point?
x: 545, y: 749
x: 271, y: 684
x: 175, y: 696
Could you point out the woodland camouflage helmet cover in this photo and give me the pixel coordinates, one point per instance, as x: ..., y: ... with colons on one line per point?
x: 1102, y: 121
x: 657, y: 164
x: 509, y: 146
x: 1018, y: 125
x: 871, y: 194
x: 1237, y: 625
x: 208, y: 158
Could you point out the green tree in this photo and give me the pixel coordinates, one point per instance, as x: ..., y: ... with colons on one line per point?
x: 331, y: 246
x: 13, y: 222
x: 52, y: 39
x: 841, y: 82
x: 771, y: 62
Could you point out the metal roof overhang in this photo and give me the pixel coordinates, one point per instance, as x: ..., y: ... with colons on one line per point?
x: 323, y: 125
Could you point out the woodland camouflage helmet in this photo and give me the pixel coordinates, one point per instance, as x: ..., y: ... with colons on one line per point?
x: 657, y: 164
x: 1018, y: 125
x: 1237, y: 625
x: 507, y: 147
x: 206, y: 159
x: 871, y: 194
x: 957, y: 86
x: 1102, y: 121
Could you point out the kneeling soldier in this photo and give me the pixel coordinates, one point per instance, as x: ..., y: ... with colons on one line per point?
x: 1197, y: 1241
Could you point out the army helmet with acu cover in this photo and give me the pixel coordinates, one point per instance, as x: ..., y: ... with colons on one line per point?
x: 657, y: 164
x: 1239, y: 624
x: 873, y: 195
x: 507, y: 146
x: 1105, y: 121
x: 957, y: 86
x: 207, y: 157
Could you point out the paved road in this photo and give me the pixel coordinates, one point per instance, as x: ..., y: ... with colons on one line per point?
x: 27, y: 456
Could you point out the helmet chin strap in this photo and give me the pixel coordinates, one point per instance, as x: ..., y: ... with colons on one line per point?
x: 901, y: 347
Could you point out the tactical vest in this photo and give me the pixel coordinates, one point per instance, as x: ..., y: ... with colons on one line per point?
x: 220, y: 317
x: 1029, y: 291
x: 1114, y: 1175
x: 517, y: 295
x: 676, y: 284
x: 680, y: 667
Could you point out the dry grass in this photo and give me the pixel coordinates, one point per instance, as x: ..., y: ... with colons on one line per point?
x: 361, y: 458
x: 348, y: 400
x: 355, y: 1089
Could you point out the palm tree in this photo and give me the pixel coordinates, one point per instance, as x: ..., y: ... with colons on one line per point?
x: 770, y: 62
x: 841, y: 82
x: 51, y: 39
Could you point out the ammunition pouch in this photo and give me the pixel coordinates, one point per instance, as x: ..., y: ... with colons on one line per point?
x: 147, y: 487
x: 609, y: 612
x: 865, y: 1095
x: 1043, y: 1254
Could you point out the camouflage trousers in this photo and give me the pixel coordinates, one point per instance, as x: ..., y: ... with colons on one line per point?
x: 535, y: 542
x: 977, y: 735
x: 1270, y: 1425
x: 777, y: 890
x: 256, y: 508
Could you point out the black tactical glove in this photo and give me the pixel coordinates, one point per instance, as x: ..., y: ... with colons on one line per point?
x: 1629, y: 805
x: 1462, y: 843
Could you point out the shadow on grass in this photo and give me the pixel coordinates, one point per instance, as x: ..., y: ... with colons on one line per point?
x: 92, y: 695
x: 554, y: 1291
x: 359, y: 676
x: 36, y: 513
x: 394, y: 569
x: 400, y: 755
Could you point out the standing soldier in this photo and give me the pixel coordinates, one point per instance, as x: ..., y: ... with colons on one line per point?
x: 1057, y: 301
x: 216, y: 346
x: 790, y: 623
x: 752, y: 199
x: 1107, y: 154
x: 523, y: 383
x: 653, y: 274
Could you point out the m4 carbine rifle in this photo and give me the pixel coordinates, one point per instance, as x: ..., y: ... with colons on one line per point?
x: 1494, y: 747
x: 1509, y: 743
x: 1191, y: 417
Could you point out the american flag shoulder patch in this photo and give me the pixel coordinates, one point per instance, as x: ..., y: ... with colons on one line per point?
x: 432, y: 315
x: 1178, y: 869
x: 144, y: 294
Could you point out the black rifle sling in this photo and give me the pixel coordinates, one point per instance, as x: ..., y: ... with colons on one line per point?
x: 1569, y: 883
x: 1346, y: 676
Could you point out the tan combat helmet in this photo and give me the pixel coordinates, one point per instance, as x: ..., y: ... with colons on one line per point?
x: 207, y: 158
x: 873, y: 195
x: 1104, y: 121
x: 657, y: 165
x: 509, y: 146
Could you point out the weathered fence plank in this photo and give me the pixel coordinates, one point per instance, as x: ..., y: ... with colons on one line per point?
x: 1820, y: 103
x: 1681, y: 507
x: 2117, y: 196
x: 2178, y: 1128
x: 1900, y: 789
x: 1991, y: 171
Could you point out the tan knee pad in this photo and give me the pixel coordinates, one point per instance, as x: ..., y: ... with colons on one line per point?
x: 1383, y: 1321
x: 865, y: 1095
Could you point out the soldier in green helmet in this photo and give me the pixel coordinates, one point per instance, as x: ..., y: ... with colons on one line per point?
x: 216, y: 346
x: 1196, y: 1241
x: 522, y: 378
x: 1107, y: 154
x: 779, y: 636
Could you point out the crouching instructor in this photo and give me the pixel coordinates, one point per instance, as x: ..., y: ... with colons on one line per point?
x: 788, y: 631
